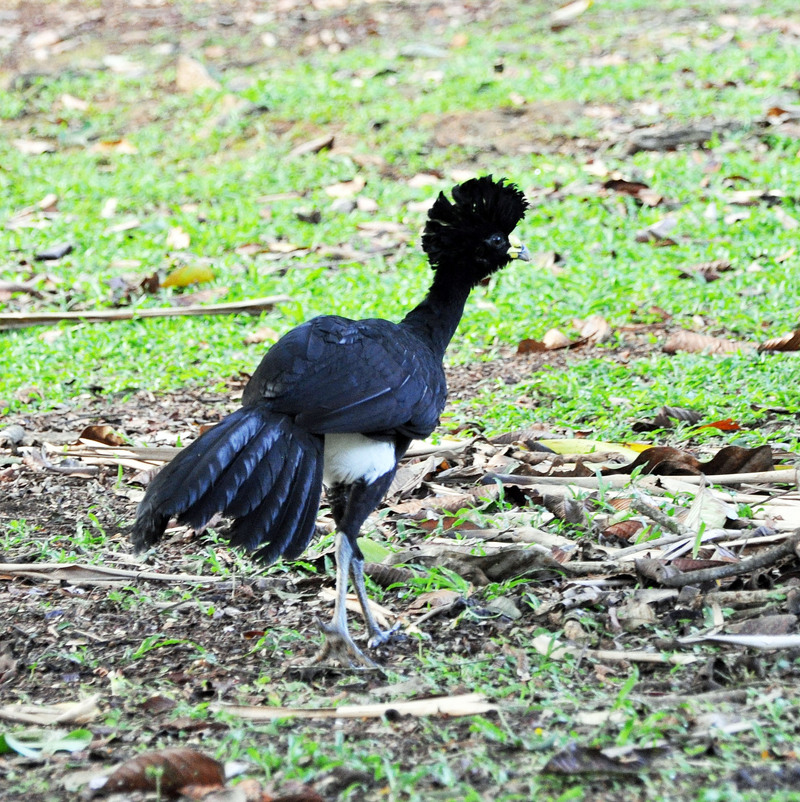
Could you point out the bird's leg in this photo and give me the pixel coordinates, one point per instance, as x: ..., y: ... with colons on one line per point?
x: 338, y: 642
x: 377, y: 636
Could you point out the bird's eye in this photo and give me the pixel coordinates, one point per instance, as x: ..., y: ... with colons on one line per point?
x: 496, y: 241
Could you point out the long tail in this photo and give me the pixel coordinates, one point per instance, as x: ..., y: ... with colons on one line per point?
x: 256, y: 466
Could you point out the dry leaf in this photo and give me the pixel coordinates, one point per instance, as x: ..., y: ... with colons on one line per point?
x: 785, y: 219
x: 264, y: 334
x: 109, y: 208
x: 658, y: 232
x: 433, y: 599
x: 694, y: 343
x: 668, y: 415
x: 125, y: 225
x: 789, y: 342
x: 594, y: 329
x: 166, y: 771
x: 178, y: 239
x: 188, y: 274
x: 81, y: 712
x: 191, y: 75
x: 114, y: 146
x: 101, y: 433
x: 624, y: 530
x: 424, y: 180
x: 73, y: 103
x: 34, y: 147
x: 346, y: 189
x: 566, y: 15
x: 590, y: 760
x: 528, y: 346
x: 710, y: 271
x: 316, y: 145
x: 555, y: 339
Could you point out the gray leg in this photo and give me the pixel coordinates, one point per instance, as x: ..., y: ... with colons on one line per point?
x: 338, y: 642
x: 376, y: 635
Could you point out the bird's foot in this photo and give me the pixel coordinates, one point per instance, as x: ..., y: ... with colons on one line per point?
x: 339, y: 646
x: 380, y: 636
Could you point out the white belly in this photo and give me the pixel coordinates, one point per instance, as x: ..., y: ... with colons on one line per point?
x: 348, y: 457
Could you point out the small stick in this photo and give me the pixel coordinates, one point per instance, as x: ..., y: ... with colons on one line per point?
x: 763, y: 560
x: 658, y: 515
x: 786, y: 477
x: 13, y: 320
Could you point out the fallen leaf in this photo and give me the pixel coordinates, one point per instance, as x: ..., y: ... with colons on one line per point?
x: 81, y: 712
x: 433, y: 599
x: 123, y: 65
x: 33, y: 147
x: 789, y: 342
x: 102, y: 433
x: 658, y: 232
x: 709, y: 271
x: 555, y: 339
x: 191, y: 75
x: 114, y: 146
x: 264, y: 334
x: 737, y: 459
x: 346, y: 189
x: 786, y: 220
x: 73, y: 103
x: 166, y: 771
x: 528, y: 346
x: 590, y: 760
x: 726, y: 425
x: 624, y: 530
x: 594, y: 329
x: 125, y: 225
x: 188, y: 274
x: 54, y: 252
x: 109, y: 208
x: 315, y: 145
x: 424, y: 180
x: 177, y: 239
x: 566, y: 15
x: 668, y: 415
x: 694, y: 343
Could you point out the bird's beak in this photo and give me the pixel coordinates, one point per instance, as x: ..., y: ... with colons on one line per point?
x: 517, y: 250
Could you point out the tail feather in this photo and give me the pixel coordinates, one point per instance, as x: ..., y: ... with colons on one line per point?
x: 256, y: 466
x: 308, y: 522
x: 289, y: 526
x: 262, y: 524
x: 256, y: 487
x: 245, y: 464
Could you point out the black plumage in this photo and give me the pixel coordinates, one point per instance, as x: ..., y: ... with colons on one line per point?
x: 338, y: 401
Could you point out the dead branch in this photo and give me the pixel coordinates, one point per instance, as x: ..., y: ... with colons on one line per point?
x: 18, y: 320
x: 672, y: 578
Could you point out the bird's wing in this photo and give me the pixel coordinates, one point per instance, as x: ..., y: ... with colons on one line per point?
x: 338, y: 375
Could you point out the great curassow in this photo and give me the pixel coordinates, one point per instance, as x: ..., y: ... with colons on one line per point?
x: 337, y: 402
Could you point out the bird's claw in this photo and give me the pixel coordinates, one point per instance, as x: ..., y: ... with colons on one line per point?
x: 380, y: 636
x: 340, y: 646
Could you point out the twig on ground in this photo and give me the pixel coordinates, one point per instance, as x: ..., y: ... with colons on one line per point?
x: 18, y: 320
x: 672, y: 578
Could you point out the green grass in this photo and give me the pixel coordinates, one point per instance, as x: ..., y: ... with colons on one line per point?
x: 204, y: 170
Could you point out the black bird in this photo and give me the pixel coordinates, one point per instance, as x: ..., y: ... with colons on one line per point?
x: 337, y: 402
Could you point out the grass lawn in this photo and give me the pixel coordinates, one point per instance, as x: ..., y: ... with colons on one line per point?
x: 295, y: 154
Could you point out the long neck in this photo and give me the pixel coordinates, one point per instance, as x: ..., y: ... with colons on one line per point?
x: 435, y: 319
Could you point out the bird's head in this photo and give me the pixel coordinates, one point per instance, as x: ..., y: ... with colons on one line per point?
x: 469, y: 238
